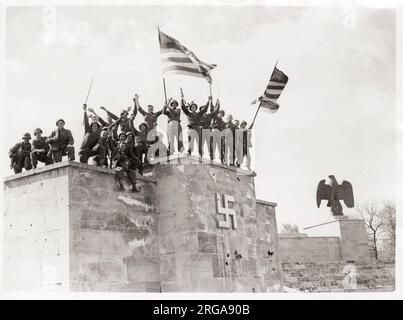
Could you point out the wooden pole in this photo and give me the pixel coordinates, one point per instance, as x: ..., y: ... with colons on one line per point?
x: 165, y: 90
x: 89, y: 90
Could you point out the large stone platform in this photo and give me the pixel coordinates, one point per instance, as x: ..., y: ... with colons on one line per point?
x: 193, y: 228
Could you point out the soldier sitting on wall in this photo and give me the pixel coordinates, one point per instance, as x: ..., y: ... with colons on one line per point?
x: 91, y: 145
x: 124, y: 162
x: 61, y: 141
x: 20, y: 155
x: 40, y: 150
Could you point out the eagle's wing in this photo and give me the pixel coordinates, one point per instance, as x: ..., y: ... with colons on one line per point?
x: 345, y: 193
x: 323, y: 192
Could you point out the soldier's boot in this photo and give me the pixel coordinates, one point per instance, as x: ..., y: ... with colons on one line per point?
x: 134, y: 189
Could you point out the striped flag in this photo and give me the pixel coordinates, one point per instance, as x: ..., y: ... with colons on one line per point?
x: 273, y: 91
x: 177, y: 59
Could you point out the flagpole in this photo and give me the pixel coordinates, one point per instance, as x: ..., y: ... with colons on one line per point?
x: 89, y: 90
x: 165, y: 90
x: 260, y: 104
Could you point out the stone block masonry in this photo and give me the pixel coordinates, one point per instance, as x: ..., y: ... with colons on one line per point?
x: 194, y: 227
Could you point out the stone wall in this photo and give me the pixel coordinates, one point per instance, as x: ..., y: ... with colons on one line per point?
x: 339, y: 276
x: 196, y: 253
x: 193, y: 228
x: 302, y: 248
x: 113, y: 235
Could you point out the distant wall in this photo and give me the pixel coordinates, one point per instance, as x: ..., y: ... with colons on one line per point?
x: 309, y: 249
x: 339, y: 276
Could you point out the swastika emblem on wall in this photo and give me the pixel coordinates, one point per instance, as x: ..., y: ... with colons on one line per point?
x: 223, y: 202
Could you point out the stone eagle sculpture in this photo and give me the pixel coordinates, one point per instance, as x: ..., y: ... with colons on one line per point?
x: 333, y: 193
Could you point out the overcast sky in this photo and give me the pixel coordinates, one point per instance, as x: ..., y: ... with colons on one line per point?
x: 337, y: 112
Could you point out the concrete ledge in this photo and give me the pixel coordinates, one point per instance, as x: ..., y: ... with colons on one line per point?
x: 69, y: 164
x: 266, y: 203
x: 185, y: 159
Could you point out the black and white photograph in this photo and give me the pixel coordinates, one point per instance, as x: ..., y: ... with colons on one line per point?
x: 194, y: 149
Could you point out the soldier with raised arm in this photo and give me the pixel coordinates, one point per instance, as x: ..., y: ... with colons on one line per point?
x: 174, y: 128
x: 92, y: 145
x: 217, y: 140
x: 195, y: 127
x: 150, y: 117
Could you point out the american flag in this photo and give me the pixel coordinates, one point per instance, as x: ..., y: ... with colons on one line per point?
x: 277, y: 82
x: 177, y: 59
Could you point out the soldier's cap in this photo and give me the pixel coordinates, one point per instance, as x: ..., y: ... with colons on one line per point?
x: 129, y: 133
x: 122, y: 134
x: 150, y: 105
x: 61, y: 121
x: 26, y: 136
x: 124, y: 111
x: 37, y: 130
x: 174, y: 101
x: 143, y: 124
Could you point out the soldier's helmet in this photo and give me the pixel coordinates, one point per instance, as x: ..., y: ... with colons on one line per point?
x: 129, y: 133
x: 122, y: 134
x: 222, y: 112
x: 37, y: 130
x: 174, y: 102
x: 26, y: 136
x: 143, y: 124
x: 124, y: 111
x: 243, y: 122
x: 193, y: 105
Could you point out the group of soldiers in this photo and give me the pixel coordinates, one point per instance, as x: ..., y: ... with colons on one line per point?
x: 116, y: 143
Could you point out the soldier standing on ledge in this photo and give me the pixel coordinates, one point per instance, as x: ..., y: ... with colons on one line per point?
x: 150, y: 117
x: 174, y: 128
x: 61, y: 141
x: 20, y: 155
x: 217, y: 141
x: 41, y: 149
x: 122, y: 163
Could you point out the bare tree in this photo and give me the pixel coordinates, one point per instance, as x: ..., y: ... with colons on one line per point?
x: 289, y: 228
x: 374, y: 221
x: 389, y: 229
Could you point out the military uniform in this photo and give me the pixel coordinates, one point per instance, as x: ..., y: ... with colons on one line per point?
x: 229, y: 142
x: 39, y: 143
x: 141, y: 143
x: 217, y: 127
x: 150, y: 118
x: 122, y: 163
x: 174, y: 128
x: 194, y: 124
x: 61, y: 142
x: 90, y: 141
x: 20, y: 155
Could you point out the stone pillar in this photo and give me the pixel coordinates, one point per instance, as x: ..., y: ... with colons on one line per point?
x: 212, y: 237
x: 353, y: 240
